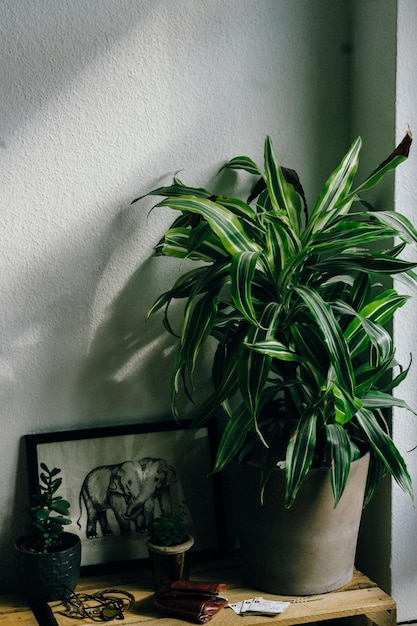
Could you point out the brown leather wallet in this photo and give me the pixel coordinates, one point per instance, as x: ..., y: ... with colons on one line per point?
x: 193, y: 601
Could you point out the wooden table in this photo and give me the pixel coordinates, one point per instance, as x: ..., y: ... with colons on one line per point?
x: 360, y: 603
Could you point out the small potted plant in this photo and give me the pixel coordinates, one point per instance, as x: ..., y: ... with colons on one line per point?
x: 48, y: 559
x: 169, y: 545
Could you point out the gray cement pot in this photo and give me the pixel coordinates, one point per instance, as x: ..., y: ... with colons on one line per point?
x: 308, y: 549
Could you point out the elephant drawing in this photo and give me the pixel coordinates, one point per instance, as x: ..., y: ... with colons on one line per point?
x: 131, y: 489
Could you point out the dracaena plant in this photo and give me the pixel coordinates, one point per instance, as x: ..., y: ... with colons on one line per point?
x: 298, y: 303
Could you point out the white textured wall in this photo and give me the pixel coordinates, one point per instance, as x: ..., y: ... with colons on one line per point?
x: 404, y: 514
x: 100, y: 101
x: 373, y: 93
x: 384, y: 96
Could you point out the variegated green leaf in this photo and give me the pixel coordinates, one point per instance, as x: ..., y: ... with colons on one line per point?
x: 275, y: 349
x: 315, y: 356
x: 332, y: 201
x: 349, y: 235
x: 242, y: 271
x: 345, y: 407
x: 379, y: 336
x: 176, y: 189
x: 399, y: 155
x: 222, y: 221
x: 183, y: 244
x: 300, y: 452
x: 338, y: 450
x: 242, y: 163
x: 202, y: 241
x: 378, y: 312
x: 198, y: 322
x: 333, y: 336
x: 282, y: 195
x: 181, y: 289
x: 376, y: 399
x: 399, y: 223
x: 385, y: 448
x: 253, y: 368
x: 238, y: 426
x: 377, y: 263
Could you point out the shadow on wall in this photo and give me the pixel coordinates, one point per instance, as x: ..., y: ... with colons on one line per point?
x: 129, y: 358
x: 128, y: 368
x: 127, y: 371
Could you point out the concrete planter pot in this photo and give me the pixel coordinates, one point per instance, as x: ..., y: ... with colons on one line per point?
x: 170, y: 563
x: 308, y: 549
x: 48, y: 576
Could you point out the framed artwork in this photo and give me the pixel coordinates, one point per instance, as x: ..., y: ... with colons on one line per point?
x: 117, y: 479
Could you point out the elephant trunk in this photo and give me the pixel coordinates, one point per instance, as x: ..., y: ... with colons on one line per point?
x: 133, y: 509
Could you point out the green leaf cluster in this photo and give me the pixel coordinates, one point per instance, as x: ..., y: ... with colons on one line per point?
x: 49, y: 512
x: 168, y: 529
x: 300, y: 307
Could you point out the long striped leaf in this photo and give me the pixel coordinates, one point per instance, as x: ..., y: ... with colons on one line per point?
x: 398, y: 222
x: 333, y: 336
x: 225, y: 382
x: 338, y: 449
x: 345, y: 406
x: 379, y: 337
x: 312, y: 347
x: 300, y: 452
x: 399, y: 378
x: 181, y: 289
x: 378, y: 263
x: 368, y: 376
x: 282, y: 195
x: 376, y: 399
x: 197, y: 327
x: 332, y: 200
x: 379, y: 311
x: 276, y: 350
x: 184, y: 244
x: 253, y: 368
x: 242, y: 271
x: 223, y: 222
x: 240, y: 209
x: 385, y: 448
x: 201, y: 240
x: 399, y: 155
x: 239, y: 424
x: 242, y: 163
x: 360, y: 292
x: 350, y: 234
x: 176, y: 189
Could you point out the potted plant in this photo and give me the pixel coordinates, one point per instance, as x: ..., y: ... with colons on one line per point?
x: 297, y: 301
x: 168, y: 546
x: 48, y: 559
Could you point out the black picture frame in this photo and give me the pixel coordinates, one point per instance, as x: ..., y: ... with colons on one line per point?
x: 90, y: 456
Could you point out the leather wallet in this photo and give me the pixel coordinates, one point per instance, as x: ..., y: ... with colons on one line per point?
x: 193, y: 601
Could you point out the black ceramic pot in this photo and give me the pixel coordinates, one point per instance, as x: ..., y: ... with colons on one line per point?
x: 48, y: 576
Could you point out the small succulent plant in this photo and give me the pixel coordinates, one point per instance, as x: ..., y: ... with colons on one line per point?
x: 49, y: 513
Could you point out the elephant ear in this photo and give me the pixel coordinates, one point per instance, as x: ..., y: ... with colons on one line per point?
x: 115, y: 485
x: 170, y: 473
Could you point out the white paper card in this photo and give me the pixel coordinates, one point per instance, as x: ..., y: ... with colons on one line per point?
x: 258, y: 606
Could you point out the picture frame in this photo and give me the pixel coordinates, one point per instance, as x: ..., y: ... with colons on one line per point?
x: 97, y: 464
